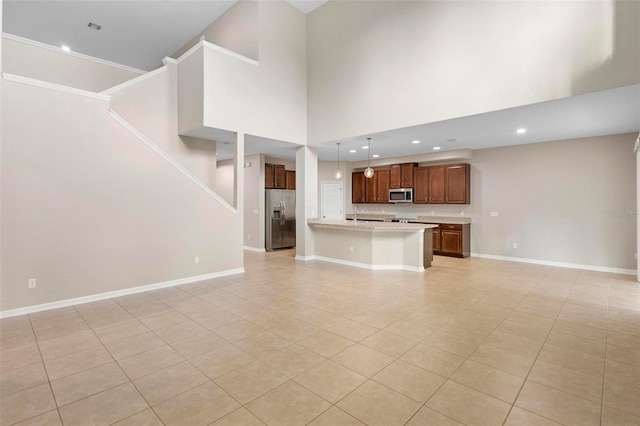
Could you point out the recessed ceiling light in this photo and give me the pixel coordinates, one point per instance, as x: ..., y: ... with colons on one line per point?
x: 352, y: 151
x: 521, y: 130
x: 375, y: 156
x: 66, y: 48
x: 365, y: 147
x: 415, y: 141
x: 436, y: 148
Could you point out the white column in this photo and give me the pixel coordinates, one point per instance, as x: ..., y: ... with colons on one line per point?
x: 306, y: 199
x: 238, y: 194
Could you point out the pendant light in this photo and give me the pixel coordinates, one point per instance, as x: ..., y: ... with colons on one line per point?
x: 368, y: 172
x: 338, y: 174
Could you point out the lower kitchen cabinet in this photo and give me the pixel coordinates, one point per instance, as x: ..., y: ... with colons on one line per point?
x: 452, y: 240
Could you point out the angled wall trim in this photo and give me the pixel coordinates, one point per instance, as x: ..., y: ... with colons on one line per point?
x: 116, y: 293
x: 53, y: 86
x: 204, y: 43
x: 133, y: 81
x: 230, y: 53
x: 75, y: 54
x: 173, y: 162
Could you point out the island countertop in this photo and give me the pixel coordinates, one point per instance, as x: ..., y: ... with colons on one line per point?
x: 364, y: 225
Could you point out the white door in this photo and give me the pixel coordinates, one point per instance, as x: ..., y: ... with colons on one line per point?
x: 332, y: 204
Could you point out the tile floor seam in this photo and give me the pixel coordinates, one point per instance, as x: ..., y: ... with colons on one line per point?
x: 531, y: 367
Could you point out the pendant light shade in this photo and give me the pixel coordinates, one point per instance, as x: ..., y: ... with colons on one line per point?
x: 338, y: 173
x: 368, y: 172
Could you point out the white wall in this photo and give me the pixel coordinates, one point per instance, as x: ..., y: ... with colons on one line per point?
x: 151, y: 106
x: 55, y: 66
x: 571, y: 201
x: 236, y: 30
x: 254, y: 202
x: 381, y: 65
x: 88, y: 209
x: 225, y: 181
x: 266, y: 99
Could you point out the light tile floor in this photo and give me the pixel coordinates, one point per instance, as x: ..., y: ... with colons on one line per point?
x: 471, y: 341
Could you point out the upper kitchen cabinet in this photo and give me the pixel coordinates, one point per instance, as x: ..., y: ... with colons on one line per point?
x: 436, y: 184
x: 458, y: 184
x: 357, y: 188
x: 290, y: 179
x: 382, y: 178
x: 406, y: 177
x: 269, y: 175
x: 401, y: 175
x: 280, y: 176
x: 450, y: 184
x: 373, y: 190
x: 421, y: 185
x: 395, y: 176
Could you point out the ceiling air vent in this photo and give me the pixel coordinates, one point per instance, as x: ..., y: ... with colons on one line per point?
x: 94, y: 26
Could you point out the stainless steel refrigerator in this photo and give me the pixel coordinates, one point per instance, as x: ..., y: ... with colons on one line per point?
x: 281, y: 219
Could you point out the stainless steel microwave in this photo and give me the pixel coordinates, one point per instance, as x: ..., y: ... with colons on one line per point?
x: 401, y: 195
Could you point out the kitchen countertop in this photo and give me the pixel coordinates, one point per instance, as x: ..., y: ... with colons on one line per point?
x: 364, y: 225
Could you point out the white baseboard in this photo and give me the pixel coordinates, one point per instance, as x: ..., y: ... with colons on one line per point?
x: 257, y: 250
x: 116, y: 293
x: 304, y: 258
x: 362, y: 265
x: 558, y: 264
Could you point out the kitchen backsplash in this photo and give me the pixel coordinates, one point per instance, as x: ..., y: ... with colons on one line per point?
x: 412, y: 211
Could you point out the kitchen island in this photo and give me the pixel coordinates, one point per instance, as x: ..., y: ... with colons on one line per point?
x: 372, y: 244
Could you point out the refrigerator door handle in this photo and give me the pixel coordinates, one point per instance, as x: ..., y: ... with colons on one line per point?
x: 282, y: 213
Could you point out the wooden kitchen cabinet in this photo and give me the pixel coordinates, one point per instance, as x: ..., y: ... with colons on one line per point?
x: 450, y: 184
x: 452, y: 240
x: 374, y: 190
x: 395, y: 176
x: 280, y: 176
x: 290, y: 177
x: 436, y: 184
x: 382, y: 186
x: 421, y: 185
x: 406, y: 177
x: 401, y: 175
x: 357, y: 188
x: 269, y: 175
x: 436, y: 240
x: 371, y: 188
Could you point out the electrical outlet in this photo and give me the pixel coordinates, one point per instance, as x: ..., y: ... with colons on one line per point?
x: 32, y: 283
x: 351, y: 249
x: 248, y: 237
x: 197, y: 259
x: 494, y: 214
x: 515, y: 245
